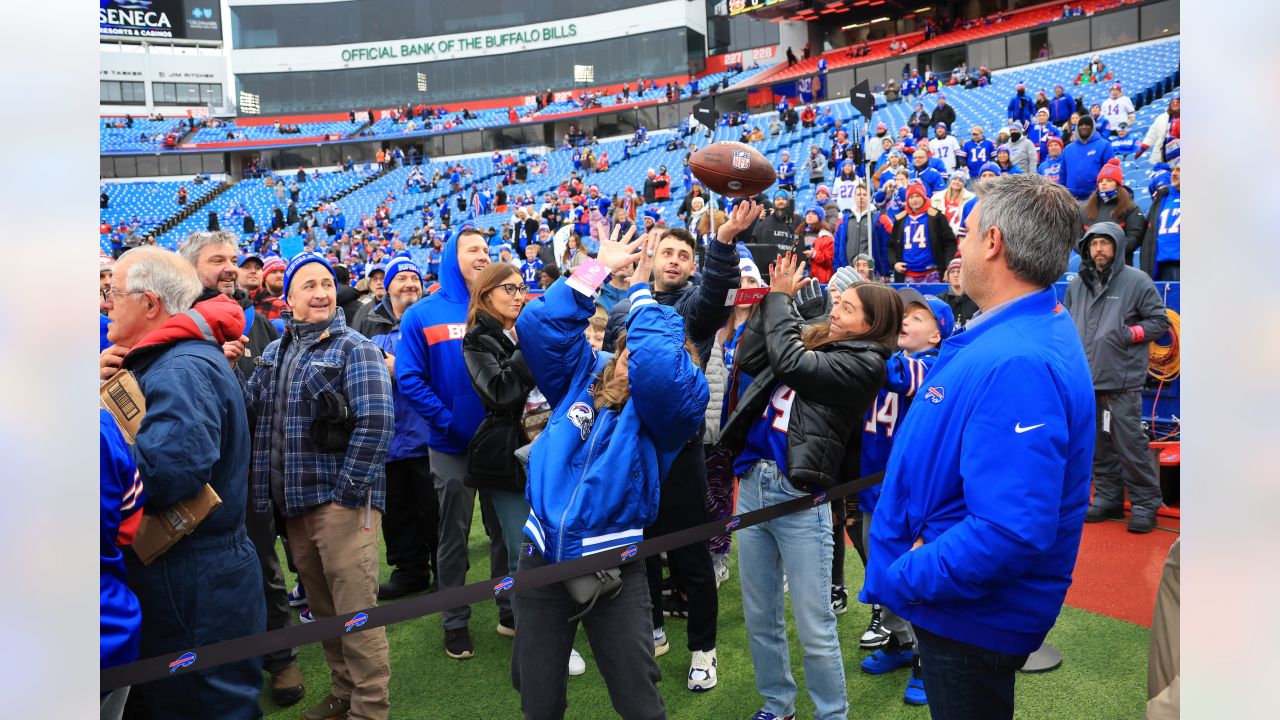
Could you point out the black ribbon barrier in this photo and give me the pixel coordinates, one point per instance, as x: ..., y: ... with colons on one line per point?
x: 155, y: 668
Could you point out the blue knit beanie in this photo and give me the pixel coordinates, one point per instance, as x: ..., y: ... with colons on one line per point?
x: 297, y: 262
x: 399, y: 264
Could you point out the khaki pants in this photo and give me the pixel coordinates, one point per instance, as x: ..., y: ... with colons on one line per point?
x: 1163, y: 666
x: 337, y: 560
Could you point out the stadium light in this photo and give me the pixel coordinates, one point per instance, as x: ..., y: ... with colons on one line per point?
x: 584, y: 73
x: 422, y: 82
x: 879, y: 20
x: 249, y: 103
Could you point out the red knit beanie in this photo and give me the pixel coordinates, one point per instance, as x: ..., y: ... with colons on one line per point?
x: 1112, y: 170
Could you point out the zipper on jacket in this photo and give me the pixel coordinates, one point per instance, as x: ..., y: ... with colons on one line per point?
x: 572, y: 496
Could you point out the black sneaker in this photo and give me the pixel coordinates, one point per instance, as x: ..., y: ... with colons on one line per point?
x: 1098, y: 514
x: 399, y: 586
x: 875, y: 636
x: 1142, y: 524
x: 457, y: 644
x: 839, y: 599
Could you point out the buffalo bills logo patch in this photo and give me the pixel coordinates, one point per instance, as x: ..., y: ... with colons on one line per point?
x: 630, y: 552
x: 505, y: 585
x: 733, y: 523
x: 184, y: 660
x: 741, y: 160
x: 819, y: 498
x: 357, y: 620
x: 583, y: 417
x: 935, y: 394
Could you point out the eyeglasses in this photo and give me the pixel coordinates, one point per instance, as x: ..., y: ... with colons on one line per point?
x: 514, y: 290
x: 108, y: 292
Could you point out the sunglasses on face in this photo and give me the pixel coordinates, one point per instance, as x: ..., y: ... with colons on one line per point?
x: 513, y: 290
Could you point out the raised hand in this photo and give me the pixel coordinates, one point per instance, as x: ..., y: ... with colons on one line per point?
x: 786, y: 276
x: 644, y: 266
x: 744, y: 213
x: 616, y: 254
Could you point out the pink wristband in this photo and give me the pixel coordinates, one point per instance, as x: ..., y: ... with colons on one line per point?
x: 1136, y: 332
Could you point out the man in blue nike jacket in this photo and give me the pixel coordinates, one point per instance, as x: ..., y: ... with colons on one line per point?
x: 977, y: 528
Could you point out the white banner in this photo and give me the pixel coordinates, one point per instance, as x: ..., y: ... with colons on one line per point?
x: 535, y: 36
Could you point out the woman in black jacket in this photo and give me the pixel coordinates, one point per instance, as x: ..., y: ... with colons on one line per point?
x: 795, y: 432
x: 503, y: 382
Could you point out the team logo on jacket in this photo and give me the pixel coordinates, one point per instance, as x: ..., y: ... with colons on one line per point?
x: 819, y: 498
x: 630, y: 552
x: 936, y: 394
x: 184, y: 660
x: 357, y: 620
x: 506, y: 584
x: 582, y: 416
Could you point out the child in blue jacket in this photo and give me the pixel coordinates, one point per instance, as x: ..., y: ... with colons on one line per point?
x: 617, y: 424
x: 927, y: 321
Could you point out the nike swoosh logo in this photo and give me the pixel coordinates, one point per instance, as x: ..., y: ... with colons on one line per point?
x: 1019, y: 429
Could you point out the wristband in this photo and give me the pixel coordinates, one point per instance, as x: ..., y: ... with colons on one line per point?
x: 1136, y: 333
x: 588, y: 276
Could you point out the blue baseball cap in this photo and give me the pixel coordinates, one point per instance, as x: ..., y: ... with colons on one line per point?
x: 941, y: 311
x: 296, y: 264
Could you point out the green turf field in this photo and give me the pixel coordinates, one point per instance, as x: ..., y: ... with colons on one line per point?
x: 1103, y: 674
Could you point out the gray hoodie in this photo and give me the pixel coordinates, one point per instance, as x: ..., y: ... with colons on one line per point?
x: 1107, y: 307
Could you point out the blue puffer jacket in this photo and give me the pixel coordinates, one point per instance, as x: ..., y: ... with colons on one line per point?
x: 594, y: 475
x: 991, y: 470
x: 429, y: 369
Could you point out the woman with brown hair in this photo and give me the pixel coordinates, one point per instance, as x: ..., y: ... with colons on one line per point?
x: 795, y: 433
x: 1113, y: 202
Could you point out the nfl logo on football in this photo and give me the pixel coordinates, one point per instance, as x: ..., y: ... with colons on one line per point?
x: 741, y: 160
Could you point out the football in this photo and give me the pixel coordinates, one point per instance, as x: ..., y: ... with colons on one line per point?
x: 732, y: 169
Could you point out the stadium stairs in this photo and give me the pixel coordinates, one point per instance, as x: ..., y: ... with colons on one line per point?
x: 188, y: 211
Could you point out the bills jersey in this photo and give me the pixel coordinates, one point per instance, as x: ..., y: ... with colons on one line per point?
x: 946, y: 151
x: 978, y: 154
x: 844, y: 193
x: 767, y: 438
x: 530, y: 270
x: 1117, y: 110
x: 904, y: 376
x: 1169, y: 231
x: 1053, y: 168
x: 786, y: 173
x: 917, y: 251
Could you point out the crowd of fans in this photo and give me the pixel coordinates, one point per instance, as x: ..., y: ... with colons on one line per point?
x: 349, y: 389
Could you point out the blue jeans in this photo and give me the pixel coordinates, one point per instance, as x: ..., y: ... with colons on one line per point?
x: 512, y: 511
x: 966, y: 682
x: 799, y: 544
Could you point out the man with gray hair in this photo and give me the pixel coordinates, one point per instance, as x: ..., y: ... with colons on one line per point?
x: 213, y: 255
x: 206, y: 588
x: 986, y: 488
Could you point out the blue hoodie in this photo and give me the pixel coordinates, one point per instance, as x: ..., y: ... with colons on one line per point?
x: 594, y: 475
x: 1083, y: 160
x: 429, y: 369
x: 991, y: 470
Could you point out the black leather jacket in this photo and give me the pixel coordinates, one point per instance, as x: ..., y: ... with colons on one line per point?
x: 503, y: 382
x: 834, y: 386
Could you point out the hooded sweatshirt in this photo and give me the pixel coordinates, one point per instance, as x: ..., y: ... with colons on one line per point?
x: 1116, y: 312
x: 1082, y: 161
x: 429, y: 369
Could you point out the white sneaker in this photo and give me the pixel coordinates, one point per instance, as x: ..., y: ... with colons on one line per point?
x: 720, y: 563
x: 660, y: 644
x: 702, y: 670
x: 577, y: 665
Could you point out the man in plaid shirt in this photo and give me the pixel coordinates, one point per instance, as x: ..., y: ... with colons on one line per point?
x: 330, y: 488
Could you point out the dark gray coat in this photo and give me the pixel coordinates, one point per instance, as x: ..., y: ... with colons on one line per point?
x: 1105, y: 307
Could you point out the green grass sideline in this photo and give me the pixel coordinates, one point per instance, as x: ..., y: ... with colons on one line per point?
x: 1103, y: 674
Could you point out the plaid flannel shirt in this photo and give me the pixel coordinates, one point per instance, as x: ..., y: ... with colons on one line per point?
x: 341, y: 361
